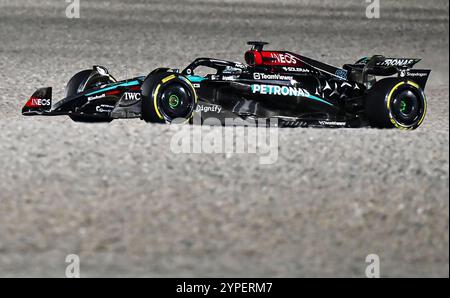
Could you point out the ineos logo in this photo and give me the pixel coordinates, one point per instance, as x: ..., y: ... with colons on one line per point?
x: 40, y: 102
x: 284, y: 58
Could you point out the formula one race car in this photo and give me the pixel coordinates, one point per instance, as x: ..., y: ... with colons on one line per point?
x: 294, y: 90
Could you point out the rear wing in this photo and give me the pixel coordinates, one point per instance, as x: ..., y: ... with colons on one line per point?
x: 381, y: 66
x: 382, y: 61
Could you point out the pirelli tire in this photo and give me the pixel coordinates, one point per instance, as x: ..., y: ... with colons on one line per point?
x: 396, y: 103
x: 167, y: 96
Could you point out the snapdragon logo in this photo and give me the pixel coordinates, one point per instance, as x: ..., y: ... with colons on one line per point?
x: 279, y: 90
x: 257, y: 136
x: 416, y: 74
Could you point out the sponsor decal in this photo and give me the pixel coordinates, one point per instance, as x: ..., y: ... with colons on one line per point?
x: 131, y: 96
x: 96, y: 97
x: 104, y: 108
x: 416, y: 74
x: 265, y: 76
x: 208, y: 108
x: 296, y: 69
x: 286, y: 91
x: 396, y: 62
x: 279, y: 90
x: 39, y: 102
x: 341, y: 73
x: 227, y: 78
x: 332, y: 123
x: 284, y: 58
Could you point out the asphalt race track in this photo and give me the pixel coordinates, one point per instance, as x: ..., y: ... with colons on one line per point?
x: 116, y: 195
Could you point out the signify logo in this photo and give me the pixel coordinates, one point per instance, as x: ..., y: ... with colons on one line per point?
x: 279, y: 90
x: 208, y: 108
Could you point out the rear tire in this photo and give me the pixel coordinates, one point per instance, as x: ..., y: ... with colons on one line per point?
x: 396, y: 103
x: 167, y: 96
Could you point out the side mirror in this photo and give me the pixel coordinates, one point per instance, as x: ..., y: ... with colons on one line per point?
x: 375, y: 60
x: 101, y: 70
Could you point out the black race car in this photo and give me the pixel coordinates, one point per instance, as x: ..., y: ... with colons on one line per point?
x: 291, y: 89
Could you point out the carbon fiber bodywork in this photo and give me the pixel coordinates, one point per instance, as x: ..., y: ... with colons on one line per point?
x: 295, y: 90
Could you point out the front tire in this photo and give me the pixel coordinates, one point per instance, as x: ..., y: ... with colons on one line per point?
x: 396, y: 103
x: 167, y: 96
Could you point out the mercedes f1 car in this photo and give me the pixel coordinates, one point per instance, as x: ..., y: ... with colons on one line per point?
x: 294, y: 90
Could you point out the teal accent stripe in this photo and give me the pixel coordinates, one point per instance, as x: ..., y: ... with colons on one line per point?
x: 320, y: 99
x: 126, y: 84
x: 195, y: 79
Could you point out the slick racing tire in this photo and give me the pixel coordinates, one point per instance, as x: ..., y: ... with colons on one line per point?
x: 396, y: 103
x: 85, y: 80
x: 168, y: 96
